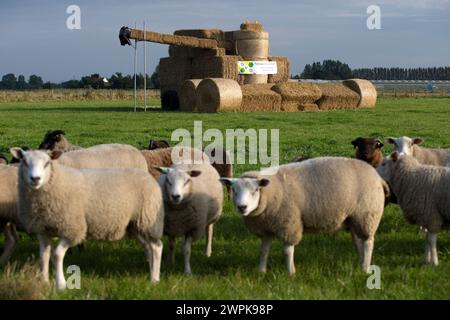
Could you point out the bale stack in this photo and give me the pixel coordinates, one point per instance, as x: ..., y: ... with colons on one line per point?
x: 297, y: 96
x: 187, y: 95
x: 337, y: 96
x: 260, y: 97
x: 217, y: 95
x: 365, y: 89
x: 283, y: 70
x: 217, y: 67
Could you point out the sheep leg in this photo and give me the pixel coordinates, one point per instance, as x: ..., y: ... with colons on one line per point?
x: 10, y: 243
x: 171, y: 253
x: 427, y: 251
x: 45, y: 247
x: 58, y: 261
x: 156, y: 248
x: 265, y: 248
x: 367, y: 253
x: 432, y: 240
x: 289, y: 252
x: 209, y: 237
x: 187, y: 245
x: 357, y: 242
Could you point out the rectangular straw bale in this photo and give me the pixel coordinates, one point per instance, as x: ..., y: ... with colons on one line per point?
x: 259, y: 97
x: 216, y: 67
x: 337, y: 96
x: 283, y: 70
x: 181, y: 52
x: 300, y: 92
x: 216, y: 34
x: 173, y: 71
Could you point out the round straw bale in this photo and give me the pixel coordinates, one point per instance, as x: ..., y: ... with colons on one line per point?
x: 366, y: 91
x: 218, y: 94
x: 308, y: 107
x: 187, y: 95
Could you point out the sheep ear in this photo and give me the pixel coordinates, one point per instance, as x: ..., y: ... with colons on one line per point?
x: 17, y: 153
x: 355, y: 142
x: 55, y: 154
x: 390, y: 140
x: 417, y: 140
x: 379, y: 144
x: 163, y: 170
x: 152, y: 145
x: 194, y: 173
x: 394, y: 156
x: 228, y: 181
x: 263, y: 182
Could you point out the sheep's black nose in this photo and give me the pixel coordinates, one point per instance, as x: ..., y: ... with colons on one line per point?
x: 242, y: 208
x: 35, y: 179
x: 176, y: 197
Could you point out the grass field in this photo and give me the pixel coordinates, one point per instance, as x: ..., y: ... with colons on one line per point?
x: 327, y: 265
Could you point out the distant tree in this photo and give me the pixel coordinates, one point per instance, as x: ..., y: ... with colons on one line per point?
x: 154, y: 79
x: 327, y: 70
x: 50, y: 85
x: 35, y: 82
x: 21, y: 83
x: 9, y: 81
x: 72, y: 84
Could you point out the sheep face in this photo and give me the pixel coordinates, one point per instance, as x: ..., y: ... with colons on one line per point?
x: 368, y: 149
x: 34, y: 167
x: 178, y: 184
x: 246, y: 193
x: 389, y: 165
x: 51, y: 139
x: 404, y: 145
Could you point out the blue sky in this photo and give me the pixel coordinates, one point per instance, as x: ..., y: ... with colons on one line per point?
x: 36, y: 40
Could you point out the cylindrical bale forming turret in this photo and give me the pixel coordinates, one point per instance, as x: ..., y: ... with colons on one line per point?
x: 216, y: 95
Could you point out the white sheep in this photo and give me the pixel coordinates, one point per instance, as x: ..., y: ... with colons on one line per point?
x: 315, y: 195
x: 78, y: 204
x: 193, y: 199
x: 9, y: 218
x: 423, y: 193
x: 103, y: 156
x: 410, y: 146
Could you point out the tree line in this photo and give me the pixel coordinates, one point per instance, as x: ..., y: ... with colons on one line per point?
x: 94, y: 81
x: 336, y: 70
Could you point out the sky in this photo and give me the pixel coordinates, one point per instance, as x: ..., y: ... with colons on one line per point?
x: 35, y: 39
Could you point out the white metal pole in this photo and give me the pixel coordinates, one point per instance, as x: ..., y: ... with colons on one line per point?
x: 135, y: 67
x: 145, y: 71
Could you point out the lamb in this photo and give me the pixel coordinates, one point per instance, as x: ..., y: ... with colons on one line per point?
x: 9, y: 218
x: 56, y: 140
x: 193, y: 198
x: 368, y: 150
x: 78, y: 204
x: 165, y: 157
x: 219, y: 158
x: 410, y: 146
x: 423, y: 195
x: 322, y: 194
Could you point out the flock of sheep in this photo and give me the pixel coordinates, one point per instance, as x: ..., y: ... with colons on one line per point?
x: 108, y: 191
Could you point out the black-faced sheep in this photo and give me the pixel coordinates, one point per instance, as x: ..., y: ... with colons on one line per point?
x: 56, y: 140
x: 368, y: 150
